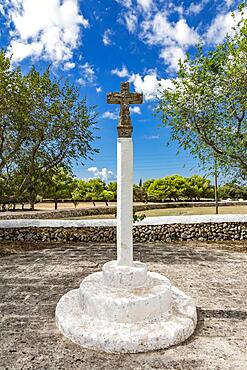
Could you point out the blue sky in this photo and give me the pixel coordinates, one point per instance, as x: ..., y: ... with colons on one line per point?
x: 98, y: 44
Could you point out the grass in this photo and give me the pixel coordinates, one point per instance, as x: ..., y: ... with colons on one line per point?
x: 194, y: 211
x: 177, y: 212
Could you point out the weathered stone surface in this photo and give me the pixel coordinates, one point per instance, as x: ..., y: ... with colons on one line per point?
x: 155, y: 316
x: 117, y: 276
x: 32, y: 283
x: 202, y: 228
x: 124, y: 98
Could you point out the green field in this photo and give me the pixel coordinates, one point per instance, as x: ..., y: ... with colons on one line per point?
x: 194, y: 211
x: 179, y: 212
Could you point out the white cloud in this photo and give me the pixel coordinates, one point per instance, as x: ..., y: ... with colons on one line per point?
x: 107, y: 37
x: 69, y: 65
x: 110, y: 115
x: 135, y: 110
x: 21, y: 51
x: 178, y: 9
x: 172, y: 55
x: 150, y: 85
x: 48, y: 29
x: 131, y: 21
x: 2, y: 11
x: 145, y: 4
x: 121, y: 72
x: 125, y: 3
x: 229, y: 3
x: 88, y: 75
x: 159, y: 31
x: 151, y: 137
x: 81, y: 81
x: 221, y: 26
x: 173, y: 37
x: 104, y: 174
x: 98, y: 89
x: 195, y: 8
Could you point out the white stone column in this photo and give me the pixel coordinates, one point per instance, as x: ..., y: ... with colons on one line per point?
x: 124, y: 201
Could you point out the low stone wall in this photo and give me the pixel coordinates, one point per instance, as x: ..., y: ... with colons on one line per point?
x: 202, y: 228
x: 93, y: 211
x: 58, y: 214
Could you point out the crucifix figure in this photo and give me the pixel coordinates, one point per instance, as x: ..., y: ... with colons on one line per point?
x: 124, y: 173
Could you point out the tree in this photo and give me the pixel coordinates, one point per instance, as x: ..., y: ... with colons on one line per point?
x: 175, y: 186
x: 157, y: 190
x: 79, y: 192
x: 112, y: 186
x: 34, y: 191
x: 15, y: 105
x: 206, y: 108
x: 198, y: 187
x: 95, y: 188
x: 43, y: 124
x: 106, y: 196
x: 145, y: 187
x: 139, y: 194
x: 59, y: 185
x: 233, y: 191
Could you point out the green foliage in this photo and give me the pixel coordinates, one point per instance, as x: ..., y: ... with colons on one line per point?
x: 146, y: 184
x: 107, y: 196
x: 139, y: 194
x: 157, y: 190
x: 59, y: 185
x: 43, y: 125
x: 233, y: 191
x: 112, y: 186
x: 198, y: 187
x: 206, y: 109
x: 176, y: 187
x: 137, y: 218
x: 94, y: 189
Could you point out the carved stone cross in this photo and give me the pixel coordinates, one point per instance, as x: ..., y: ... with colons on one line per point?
x: 124, y: 174
x: 124, y: 98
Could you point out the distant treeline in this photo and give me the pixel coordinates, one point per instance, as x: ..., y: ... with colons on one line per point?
x: 62, y: 185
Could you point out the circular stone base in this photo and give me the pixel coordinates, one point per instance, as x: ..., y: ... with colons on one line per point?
x: 125, y: 305
x: 126, y: 277
x: 170, y: 328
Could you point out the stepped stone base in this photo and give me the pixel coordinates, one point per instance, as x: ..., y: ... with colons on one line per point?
x: 154, y: 316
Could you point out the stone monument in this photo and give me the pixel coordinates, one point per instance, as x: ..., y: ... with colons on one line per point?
x: 124, y: 308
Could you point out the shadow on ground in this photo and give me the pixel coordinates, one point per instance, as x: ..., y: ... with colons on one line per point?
x: 32, y: 283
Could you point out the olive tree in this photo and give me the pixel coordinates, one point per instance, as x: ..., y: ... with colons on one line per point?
x: 44, y: 124
x: 206, y: 108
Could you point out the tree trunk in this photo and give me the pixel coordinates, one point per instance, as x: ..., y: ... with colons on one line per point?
x: 32, y: 206
x: 216, y: 187
x: 55, y: 203
x: 106, y: 203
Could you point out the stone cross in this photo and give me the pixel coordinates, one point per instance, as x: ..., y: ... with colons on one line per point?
x: 124, y: 173
x: 124, y: 98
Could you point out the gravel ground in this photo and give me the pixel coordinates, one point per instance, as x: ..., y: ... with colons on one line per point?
x: 32, y: 282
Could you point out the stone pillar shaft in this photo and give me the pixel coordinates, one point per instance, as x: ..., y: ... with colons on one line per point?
x: 124, y: 201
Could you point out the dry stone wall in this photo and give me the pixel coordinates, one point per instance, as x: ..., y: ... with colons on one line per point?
x: 208, y: 231
x: 93, y: 211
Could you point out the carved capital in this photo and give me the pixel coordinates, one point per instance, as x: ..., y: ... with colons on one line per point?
x: 124, y: 131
